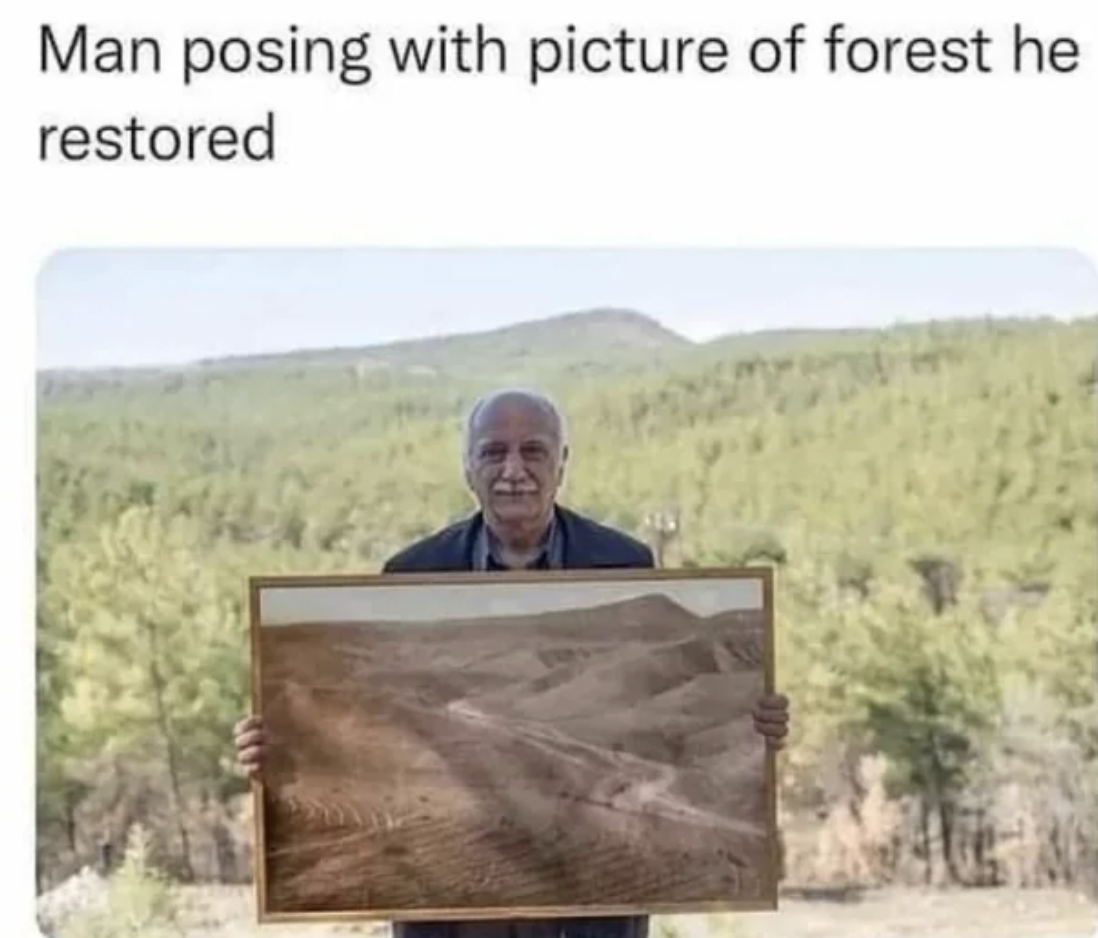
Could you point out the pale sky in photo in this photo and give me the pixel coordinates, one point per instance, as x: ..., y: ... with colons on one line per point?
x: 288, y: 605
x: 147, y: 307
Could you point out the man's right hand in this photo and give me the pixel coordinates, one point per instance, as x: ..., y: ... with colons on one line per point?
x: 251, y: 745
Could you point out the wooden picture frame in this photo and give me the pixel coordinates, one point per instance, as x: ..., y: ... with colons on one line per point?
x: 469, y: 746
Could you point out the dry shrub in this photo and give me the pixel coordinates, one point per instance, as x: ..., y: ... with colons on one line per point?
x: 1012, y: 829
x: 139, y: 902
x: 699, y: 926
x: 856, y: 844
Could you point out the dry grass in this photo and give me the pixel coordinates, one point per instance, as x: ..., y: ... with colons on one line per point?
x: 890, y: 913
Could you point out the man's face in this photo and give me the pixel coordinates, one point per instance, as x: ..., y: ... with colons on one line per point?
x: 515, y: 462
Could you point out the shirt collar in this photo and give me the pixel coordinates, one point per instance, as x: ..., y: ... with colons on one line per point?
x: 486, y: 547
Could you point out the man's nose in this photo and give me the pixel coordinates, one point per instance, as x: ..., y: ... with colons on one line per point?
x: 513, y: 465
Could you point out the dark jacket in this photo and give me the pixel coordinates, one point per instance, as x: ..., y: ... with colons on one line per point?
x: 586, y: 545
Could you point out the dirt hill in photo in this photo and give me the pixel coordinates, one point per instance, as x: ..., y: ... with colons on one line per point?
x: 603, y: 755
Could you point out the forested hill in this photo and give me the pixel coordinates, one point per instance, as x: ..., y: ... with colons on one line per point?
x: 585, y: 343
x: 921, y: 436
x: 569, y: 342
x: 925, y: 492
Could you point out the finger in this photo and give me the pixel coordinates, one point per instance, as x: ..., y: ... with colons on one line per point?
x: 253, y: 738
x: 251, y: 756
x: 247, y: 725
x: 774, y: 702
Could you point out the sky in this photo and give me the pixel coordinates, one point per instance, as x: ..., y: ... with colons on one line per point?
x: 121, y: 308
x: 290, y: 605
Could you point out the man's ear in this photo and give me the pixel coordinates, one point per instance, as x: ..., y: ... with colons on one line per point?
x: 563, y: 464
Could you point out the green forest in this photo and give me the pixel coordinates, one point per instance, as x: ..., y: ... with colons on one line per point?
x: 925, y: 494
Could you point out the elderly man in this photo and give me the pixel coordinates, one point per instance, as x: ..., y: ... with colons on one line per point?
x: 515, y: 450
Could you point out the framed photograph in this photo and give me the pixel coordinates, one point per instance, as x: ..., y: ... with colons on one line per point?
x: 512, y: 745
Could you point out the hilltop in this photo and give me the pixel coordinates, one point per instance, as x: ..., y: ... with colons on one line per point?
x: 580, y: 343
x: 573, y: 340
x: 583, y: 337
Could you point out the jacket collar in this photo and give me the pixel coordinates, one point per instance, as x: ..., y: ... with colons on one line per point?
x: 577, y: 547
x: 485, y: 545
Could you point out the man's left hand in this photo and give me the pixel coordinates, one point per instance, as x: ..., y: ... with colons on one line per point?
x: 771, y: 716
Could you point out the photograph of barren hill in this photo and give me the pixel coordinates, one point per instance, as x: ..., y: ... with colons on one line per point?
x: 594, y: 752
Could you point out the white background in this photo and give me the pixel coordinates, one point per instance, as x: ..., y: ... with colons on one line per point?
x: 770, y: 161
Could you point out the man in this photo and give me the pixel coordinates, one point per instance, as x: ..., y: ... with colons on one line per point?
x: 514, y: 452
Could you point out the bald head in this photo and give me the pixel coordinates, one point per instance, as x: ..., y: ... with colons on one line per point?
x: 528, y: 406
x: 514, y: 450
